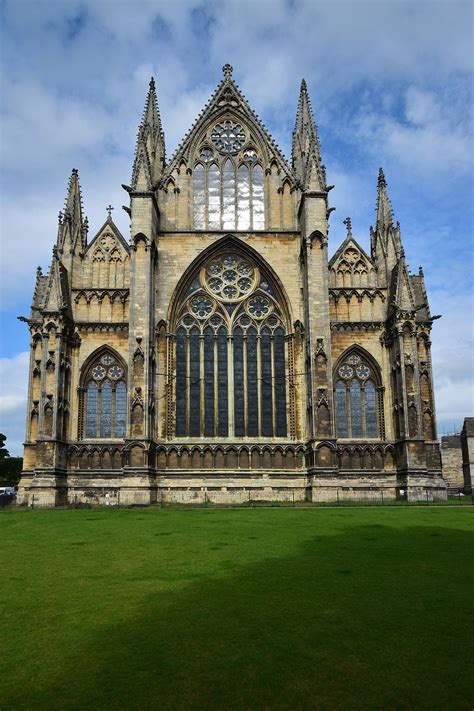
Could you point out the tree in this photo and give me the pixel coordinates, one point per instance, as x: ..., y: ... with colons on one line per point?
x: 10, y: 467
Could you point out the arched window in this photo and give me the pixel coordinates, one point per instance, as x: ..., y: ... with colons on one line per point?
x: 104, y: 398
x: 357, y: 399
x: 231, y: 362
x: 228, y: 181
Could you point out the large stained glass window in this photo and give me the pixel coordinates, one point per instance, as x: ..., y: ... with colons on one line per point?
x: 228, y: 182
x: 231, y: 363
x: 105, y: 394
x: 357, y: 400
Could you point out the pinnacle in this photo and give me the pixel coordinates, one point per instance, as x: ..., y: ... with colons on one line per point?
x: 384, y: 208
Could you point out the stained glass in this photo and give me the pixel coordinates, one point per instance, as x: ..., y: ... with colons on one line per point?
x: 214, y: 195
x: 181, y: 382
x: 370, y: 409
x: 209, y: 382
x: 199, y: 197
x: 252, y: 392
x: 267, y: 385
x: 120, y: 409
x: 243, y: 198
x: 356, y: 409
x: 341, y: 411
x: 280, y: 383
x: 258, y: 209
x: 106, y: 410
x: 238, y: 383
x: 222, y: 409
x: 228, y: 196
x: 194, y: 384
x: 91, y: 410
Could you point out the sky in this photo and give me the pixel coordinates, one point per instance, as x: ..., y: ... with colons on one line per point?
x: 391, y: 83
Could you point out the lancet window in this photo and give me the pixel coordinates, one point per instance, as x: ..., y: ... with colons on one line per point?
x: 231, y: 354
x: 104, y: 399
x: 357, y: 399
x: 228, y: 181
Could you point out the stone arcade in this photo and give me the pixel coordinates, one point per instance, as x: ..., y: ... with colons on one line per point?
x: 218, y: 351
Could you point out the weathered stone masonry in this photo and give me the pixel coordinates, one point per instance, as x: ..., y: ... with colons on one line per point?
x: 218, y: 351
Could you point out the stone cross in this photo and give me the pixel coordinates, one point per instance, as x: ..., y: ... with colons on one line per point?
x: 109, y: 209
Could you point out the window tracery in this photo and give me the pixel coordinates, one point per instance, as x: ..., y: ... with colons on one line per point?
x: 104, y: 398
x: 357, y: 399
x: 231, y: 363
x: 228, y: 181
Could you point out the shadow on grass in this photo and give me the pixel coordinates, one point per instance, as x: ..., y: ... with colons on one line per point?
x: 380, y: 618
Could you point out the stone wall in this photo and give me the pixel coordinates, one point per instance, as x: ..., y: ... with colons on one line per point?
x: 451, y: 458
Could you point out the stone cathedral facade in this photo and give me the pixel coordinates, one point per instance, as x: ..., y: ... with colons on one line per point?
x: 217, y: 351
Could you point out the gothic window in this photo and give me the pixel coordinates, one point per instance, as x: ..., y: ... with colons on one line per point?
x: 228, y: 182
x: 357, y: 400
x: 231, y: 362
x: 104, y: 398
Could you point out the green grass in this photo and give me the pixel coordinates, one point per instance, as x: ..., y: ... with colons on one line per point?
x: 237, y: 609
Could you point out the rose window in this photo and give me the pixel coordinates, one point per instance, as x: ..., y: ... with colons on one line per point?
x: 363, y: 371
x: 228, y: 137
x: 346, y: 371
x: 230, y: 278
x: 206, y: 155
x: 250, y: 155
x: 98, y: 372
x: 115, y: 372
x: 201, y: 306
x: 259, y: 306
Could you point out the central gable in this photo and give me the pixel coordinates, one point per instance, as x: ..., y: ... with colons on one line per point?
x: 229, y: 104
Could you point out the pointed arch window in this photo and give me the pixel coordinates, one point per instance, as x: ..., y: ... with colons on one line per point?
x: 231, y: 361
x: 104, y: 399
x: 358, y: 399
x: 228, y: 190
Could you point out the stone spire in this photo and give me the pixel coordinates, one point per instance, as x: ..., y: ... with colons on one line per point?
x: 385, y: 239
x: 72, y: 227
x: 306, y: 149
x: 150, y: 149
x: 384, y: 207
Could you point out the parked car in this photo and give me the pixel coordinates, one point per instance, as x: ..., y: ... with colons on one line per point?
x: 7, y: 495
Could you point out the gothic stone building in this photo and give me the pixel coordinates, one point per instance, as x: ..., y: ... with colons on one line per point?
x: 218, y: 352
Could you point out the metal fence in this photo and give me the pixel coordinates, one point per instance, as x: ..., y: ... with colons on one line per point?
x: 277, y: 497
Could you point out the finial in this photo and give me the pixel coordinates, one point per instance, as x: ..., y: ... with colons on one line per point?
x: 381, y: 181
x: 152, y: 83
x: 227, y: 69
x: 303, y: 85
x: 109, y: 209
x: 39, y: 271
x: 420, y: 271
x: 60, y: 217
x: 348, y: 223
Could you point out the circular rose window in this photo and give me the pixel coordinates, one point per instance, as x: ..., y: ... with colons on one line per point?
x: 228, y: 137
x: 229, y: 278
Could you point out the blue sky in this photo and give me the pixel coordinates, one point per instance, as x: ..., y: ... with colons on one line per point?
x: 390, y: 82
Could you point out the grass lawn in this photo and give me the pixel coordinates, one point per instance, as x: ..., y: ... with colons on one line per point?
x: 237, y: 609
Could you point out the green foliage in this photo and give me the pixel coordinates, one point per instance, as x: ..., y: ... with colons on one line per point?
x: 10, y: 467
x: 362, y: 609
x: 10, y: 470
x: 3, y: 452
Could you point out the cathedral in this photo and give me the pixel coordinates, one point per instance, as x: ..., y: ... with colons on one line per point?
x: 218, y: 352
